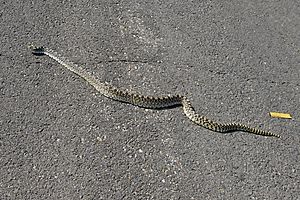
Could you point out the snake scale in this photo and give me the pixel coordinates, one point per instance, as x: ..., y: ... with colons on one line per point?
x: 150, y: 102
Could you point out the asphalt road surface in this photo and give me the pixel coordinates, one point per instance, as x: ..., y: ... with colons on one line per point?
x: 236, y: 60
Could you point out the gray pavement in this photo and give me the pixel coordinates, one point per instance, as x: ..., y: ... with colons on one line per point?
x: 236, y: 60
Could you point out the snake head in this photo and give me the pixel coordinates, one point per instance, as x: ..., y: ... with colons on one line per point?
x: 38, y: 51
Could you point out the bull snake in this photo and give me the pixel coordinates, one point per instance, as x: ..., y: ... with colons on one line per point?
x: 150, y: 102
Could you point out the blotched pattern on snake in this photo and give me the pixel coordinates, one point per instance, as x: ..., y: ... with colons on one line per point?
x: 151, y: 102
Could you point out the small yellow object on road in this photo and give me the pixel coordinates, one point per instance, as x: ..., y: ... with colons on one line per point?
x: 280, y: 115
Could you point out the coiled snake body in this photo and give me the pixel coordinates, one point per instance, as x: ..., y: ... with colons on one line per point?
x: 148, y: 101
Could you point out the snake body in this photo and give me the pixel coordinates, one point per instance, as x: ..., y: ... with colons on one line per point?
x: 151, y: 102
